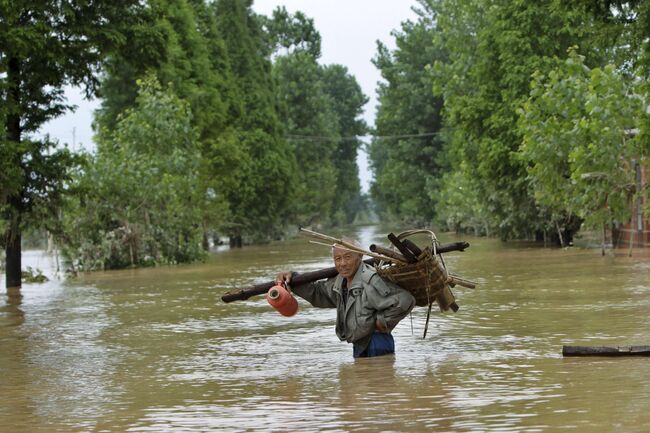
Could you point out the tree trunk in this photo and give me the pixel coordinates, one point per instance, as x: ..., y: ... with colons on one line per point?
x: 12, y: 124
x: 206, y: 241
x: 559, y: 233
x: 632, y: 230
x: 602, y: 250
x: 13, y: 254
x: 235, y: 241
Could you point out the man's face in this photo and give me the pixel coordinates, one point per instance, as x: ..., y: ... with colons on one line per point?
x: 346, y: 262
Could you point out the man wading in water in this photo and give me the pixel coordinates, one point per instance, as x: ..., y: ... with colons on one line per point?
x: 367, y: 307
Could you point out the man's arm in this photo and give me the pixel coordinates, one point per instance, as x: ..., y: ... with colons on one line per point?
x: 391, y: 302
x: 317, y: 294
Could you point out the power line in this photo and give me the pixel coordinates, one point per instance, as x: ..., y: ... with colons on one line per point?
x: 359, y: 137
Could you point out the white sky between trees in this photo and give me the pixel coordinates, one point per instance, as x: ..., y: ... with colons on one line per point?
x: 349, y: 30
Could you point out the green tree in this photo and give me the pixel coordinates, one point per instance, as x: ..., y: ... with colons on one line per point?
x: 347, y: 101
x: 195, y: 61
x: 45, y: 46
x: 547, y: 145
x: 311, y: 123
x: 461, y: 207
x: 320, y: 109
x: 407, y: 168
x: 577, y: 142
x: 291, y: 33
x: 140, y: 200
x: 265, y: 173
x: 496, y: 47
x: 192, y: 58
x: 630, y: 24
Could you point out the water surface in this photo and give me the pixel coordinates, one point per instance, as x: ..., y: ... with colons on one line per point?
x: 155, y: 350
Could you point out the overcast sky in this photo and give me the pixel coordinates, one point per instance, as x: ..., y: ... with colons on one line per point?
x: 349, y: 30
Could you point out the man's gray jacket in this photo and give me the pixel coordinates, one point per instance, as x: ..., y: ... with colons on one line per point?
x: 369, y: 298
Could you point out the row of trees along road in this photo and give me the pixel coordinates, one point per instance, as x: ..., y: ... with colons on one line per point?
x: 521, y: 115
x: 213, y: 120
x: 503, y: 117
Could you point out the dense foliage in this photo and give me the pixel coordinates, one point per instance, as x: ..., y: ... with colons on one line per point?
x: 202, y: 102
x: 44, y: 46
x: 404, y: 156
x: 501, y: 117
x: 524, y: 143
x: 578, y: 142
x: 150, y: 212
x: 347, y: 101
x: 320, y: 107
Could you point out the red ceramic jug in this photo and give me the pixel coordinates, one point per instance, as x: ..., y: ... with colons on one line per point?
x: 280, y: 298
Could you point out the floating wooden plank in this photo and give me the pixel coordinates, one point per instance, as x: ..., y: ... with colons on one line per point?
x: 605, y: 351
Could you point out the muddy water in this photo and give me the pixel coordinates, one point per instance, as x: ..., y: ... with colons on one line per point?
x: 155, y: 350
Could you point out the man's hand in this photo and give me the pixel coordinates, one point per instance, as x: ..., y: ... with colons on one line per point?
x: 380, y: 327
x: 284, y: 276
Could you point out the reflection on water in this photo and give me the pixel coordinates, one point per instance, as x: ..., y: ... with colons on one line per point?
x: 156, y: 350
x: 11, y: 313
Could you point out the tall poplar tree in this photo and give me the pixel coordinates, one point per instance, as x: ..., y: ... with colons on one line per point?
x: 320, y: 108
x: 347, y: 101
x: 497, y: 46
x: 46, y: 45
x: 406, y: 168
x: 311, y: 123
x: 194, y: 61
x: 264, y: 179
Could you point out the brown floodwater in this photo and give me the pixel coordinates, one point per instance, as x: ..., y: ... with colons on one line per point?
x: 155, y: 350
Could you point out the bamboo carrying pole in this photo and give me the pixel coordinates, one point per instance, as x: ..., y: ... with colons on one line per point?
x: 359, y: 251
x: 387, y: 252
x: 340, y: 243
x: 458, y: 281
x: 444, y: 248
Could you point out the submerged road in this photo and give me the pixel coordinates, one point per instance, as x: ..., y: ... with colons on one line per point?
x: 155, y: 350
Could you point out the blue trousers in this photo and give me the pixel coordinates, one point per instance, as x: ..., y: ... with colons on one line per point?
x: 380, y: 344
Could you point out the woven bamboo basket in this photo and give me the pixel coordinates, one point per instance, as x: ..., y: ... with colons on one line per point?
x: 427, y: 279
